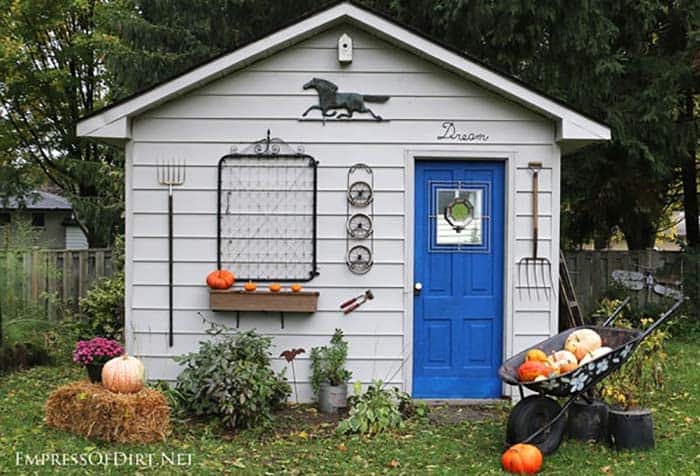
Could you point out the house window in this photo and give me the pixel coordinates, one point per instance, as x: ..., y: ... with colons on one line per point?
x: 267, y: 216
x: 38, y: 220
x: 5, y: 219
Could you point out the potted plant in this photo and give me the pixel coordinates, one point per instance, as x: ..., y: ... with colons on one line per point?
x: 95, y: 353
x: 328, y: 374
x: 628, y: 392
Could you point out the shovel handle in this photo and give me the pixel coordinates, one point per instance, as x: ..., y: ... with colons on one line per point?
x: 352, y: 308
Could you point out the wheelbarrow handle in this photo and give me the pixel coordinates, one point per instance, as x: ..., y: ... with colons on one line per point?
x: 661, y: 319
x: 609, y: 321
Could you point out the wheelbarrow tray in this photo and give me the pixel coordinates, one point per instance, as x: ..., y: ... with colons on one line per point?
x: 622, y: 341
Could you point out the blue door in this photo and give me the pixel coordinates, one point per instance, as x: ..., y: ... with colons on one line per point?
x: 458, y: 313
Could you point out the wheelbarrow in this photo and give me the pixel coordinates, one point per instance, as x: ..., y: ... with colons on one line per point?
x: 539, y: 419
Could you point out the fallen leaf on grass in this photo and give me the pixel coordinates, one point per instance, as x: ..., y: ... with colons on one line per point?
x: 341, y: 447
x: 606, y: 470
x: 303, y: 435
x: 393, y: 464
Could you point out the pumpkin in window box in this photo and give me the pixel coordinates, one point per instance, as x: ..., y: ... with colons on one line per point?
x: 275, y: 287
x: 250, y: 286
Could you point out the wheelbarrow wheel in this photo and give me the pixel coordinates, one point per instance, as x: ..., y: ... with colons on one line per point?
x: 531, y: 414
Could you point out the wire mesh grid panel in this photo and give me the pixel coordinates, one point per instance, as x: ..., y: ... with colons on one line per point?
x: 267, y: 217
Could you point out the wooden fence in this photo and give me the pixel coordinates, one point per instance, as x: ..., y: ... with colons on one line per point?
x: 591, y: 273
x: 55, y: 277
x: 68, y: 274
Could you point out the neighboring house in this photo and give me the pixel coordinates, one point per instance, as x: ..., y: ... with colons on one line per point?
x: 452, y: 208
x: 52, y: 216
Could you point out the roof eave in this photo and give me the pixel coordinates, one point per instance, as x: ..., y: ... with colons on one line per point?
x: 113, y: 124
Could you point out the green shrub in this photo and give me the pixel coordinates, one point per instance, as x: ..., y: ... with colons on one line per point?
x: 230, y: 377
x: 102, y: 309
x: 27, y: 337
x: 374, y: 411
x: 328, y: 363
x: 634, y: 384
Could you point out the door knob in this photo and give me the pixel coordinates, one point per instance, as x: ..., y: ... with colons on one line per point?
x: 417, y: 287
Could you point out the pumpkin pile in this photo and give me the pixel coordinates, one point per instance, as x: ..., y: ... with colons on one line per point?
x: 581, y: 347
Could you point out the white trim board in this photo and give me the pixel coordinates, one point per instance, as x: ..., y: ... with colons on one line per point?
x: 573, y: 130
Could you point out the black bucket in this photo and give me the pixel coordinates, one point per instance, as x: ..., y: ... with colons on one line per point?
x: 631, y: 429
x: 588, y: 421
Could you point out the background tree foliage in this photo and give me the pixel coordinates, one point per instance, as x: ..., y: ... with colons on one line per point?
x: 52, y: 74
x: 635, y: 65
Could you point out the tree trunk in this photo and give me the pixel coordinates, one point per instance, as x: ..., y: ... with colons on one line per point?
x: 640, y: 233
x: 689, y: 173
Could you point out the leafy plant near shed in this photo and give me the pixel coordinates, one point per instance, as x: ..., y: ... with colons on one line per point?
x: 328, y: 362
x: 374, y: 411
x: 102, y: 309
x: 231, y: 377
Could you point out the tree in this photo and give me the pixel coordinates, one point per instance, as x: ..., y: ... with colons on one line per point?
x: 50, y: 62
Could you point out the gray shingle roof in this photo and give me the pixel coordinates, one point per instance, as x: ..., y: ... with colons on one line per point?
x: 45, y: 201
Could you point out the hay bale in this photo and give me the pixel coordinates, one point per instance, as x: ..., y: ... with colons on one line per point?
x: 92, y: 411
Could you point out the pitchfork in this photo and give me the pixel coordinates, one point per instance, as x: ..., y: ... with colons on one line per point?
x: 172, y: 174
x: 532, y: 263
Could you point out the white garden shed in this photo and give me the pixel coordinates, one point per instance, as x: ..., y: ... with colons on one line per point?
x: 450, y: 148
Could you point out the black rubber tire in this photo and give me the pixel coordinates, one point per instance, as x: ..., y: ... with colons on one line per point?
x: 529, y: 415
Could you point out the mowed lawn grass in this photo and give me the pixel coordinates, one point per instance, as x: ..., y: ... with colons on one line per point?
x: 422, y: 447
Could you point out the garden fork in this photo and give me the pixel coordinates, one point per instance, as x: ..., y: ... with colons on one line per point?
x: 531, y: 264
x: 172, y: 174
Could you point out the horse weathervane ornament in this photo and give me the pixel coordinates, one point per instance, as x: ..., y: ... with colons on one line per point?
x: 329, y: 99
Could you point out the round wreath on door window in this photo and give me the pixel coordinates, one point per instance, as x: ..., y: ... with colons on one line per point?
x: 459, y: 213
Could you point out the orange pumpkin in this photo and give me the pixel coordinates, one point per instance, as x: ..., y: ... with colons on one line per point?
x: 532, y: 369
x: 296, y: 288
x: 274, y: 287
x: 582, y: 341
x: 250, y: 286
x: 522, y: 459
x: 220, y: 279
x: 124, y: 374
x: 536, y: 354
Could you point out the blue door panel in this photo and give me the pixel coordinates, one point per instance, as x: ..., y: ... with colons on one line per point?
x: 458, y: 326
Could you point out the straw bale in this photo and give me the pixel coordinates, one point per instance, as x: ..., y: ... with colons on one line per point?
x: 92, y: 411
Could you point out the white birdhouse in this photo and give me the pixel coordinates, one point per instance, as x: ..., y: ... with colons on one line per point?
x: 345, y: 48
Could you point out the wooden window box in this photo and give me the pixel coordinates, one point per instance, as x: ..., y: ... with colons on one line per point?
x: 234, y: 300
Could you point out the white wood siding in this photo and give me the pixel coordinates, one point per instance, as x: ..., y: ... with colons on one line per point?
x: 203, y: 126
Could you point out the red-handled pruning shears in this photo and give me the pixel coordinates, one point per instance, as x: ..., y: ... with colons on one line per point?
x: 352, y: 304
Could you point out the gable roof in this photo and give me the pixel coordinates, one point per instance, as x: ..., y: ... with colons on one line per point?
x: 574, y: 129
x: 44, y: 201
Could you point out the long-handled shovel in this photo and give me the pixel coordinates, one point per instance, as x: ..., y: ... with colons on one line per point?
x: 171, y: 174
x: 532, y: 263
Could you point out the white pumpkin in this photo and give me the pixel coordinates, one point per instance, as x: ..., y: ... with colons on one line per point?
x: 583, y: 341
x: 601, y: 351
x: 563, y: 361
x: 124, y: 374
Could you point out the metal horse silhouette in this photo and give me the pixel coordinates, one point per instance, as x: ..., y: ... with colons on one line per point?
x: 330, y: 99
